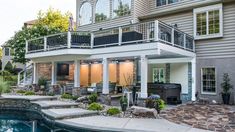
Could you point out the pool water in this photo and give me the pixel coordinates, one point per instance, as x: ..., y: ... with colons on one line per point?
x: 22, y: 121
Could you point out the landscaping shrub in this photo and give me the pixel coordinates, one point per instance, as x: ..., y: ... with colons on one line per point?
x: 95, y: 107
x: 21, y: 91
x: 160, y: 103
x: 3, y: 87
x: 113, y: 111
x: 67, y: 96
x: 28, y: 93
x: 93, y: 98
x: 75, y: 97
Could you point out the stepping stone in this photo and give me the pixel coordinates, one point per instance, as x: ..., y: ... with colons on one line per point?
x: 68, y: 113
x: 55, y: 104
x: 31, y: 98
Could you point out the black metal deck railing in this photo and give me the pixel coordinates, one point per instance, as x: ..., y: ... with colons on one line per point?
x: 153, y: 31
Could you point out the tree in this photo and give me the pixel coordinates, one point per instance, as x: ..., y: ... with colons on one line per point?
x: 50, y: 22
x: 53, y: 19
x: 122, y: 10
x: 100, y: 17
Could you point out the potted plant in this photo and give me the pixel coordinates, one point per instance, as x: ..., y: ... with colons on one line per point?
x: 226, y: 87
x: 42, y: 82
x: 123, y: 103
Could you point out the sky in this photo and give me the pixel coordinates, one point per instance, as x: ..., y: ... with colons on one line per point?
x: 14, y: 13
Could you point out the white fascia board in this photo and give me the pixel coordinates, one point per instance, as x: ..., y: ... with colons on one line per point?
x: 58, y: 53
x: 176, y: 50
x: 170, y: 60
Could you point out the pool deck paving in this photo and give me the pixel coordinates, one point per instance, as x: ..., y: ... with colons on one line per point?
x: 127, y: 124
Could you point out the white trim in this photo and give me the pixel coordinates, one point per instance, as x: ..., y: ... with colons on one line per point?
x: 206, y: 10
x: 209, y: 93
x: 171, y: 60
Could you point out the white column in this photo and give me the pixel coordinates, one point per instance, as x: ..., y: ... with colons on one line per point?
x: 105, y: 76
x: 53, y: 73
x: 35, y: 73
x: 193, y: 62
x: 77, y: 66
x: 144, y: 76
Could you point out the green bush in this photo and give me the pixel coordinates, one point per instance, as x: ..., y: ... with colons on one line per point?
x: 50, y: 94
x: 75, y: 97
x: 21, y: 91
x: 113, y: 111
x: 93, y: 98
x: 161, y: 104
x: 42, y: 81
x: 28, y: 93
x: 4, y: 86
x: 95, y: 107
x: 67, y: 96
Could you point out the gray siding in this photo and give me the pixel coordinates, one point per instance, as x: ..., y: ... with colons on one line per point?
x: 180, y: 6
x: 141, y: 8
x: 223, y: 65
x: 208, y: 48
x: 221, y: 47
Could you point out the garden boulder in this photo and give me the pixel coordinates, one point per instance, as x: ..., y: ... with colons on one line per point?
x: 144, y: 112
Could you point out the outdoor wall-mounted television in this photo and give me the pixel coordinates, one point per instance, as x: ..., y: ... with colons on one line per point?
x: 62, y: 69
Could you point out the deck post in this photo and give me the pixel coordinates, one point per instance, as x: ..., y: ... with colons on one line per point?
x: 92, y: 40
x: 184, y: 41
x: 69, y: 40
x: 53, y: 73
x: 77, y: 66
x: 173, y: 36
x: 35, y: 73
x: 193, y: 62
x: 144, y: 76
x: 120, y: 36
x: 156, y: 25
x: 105, y: 89
x: 45, y: 43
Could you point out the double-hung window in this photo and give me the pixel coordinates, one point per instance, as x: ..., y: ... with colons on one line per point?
x: 165, y: 2
x: 7, y: 51
x: 208, y: 79
x: 208, y: 22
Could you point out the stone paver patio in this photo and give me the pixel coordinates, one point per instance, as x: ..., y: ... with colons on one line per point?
x: 209, y: 117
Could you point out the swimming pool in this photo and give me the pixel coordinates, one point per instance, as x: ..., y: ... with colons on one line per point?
x: 23, y: 121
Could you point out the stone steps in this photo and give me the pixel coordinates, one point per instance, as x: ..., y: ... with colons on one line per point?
x: 68, y: 113
x: 52, y: 104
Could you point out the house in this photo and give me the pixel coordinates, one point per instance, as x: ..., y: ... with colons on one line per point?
x: 7, y: 58
x: 187, y: 42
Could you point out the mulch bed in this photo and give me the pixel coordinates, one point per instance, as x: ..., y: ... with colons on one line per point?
x: 209, y: 117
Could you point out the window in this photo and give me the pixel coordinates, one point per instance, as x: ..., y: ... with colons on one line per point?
x: 102, y: 11
x: 165, y: 2
x: 208, y: 22
x: 7, y: 51
x: 208, y: 81
x: 159, y: 75
x: 85, y: 15
x: 121, y: 8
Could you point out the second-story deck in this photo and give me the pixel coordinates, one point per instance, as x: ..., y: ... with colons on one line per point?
x: 133, y: 34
